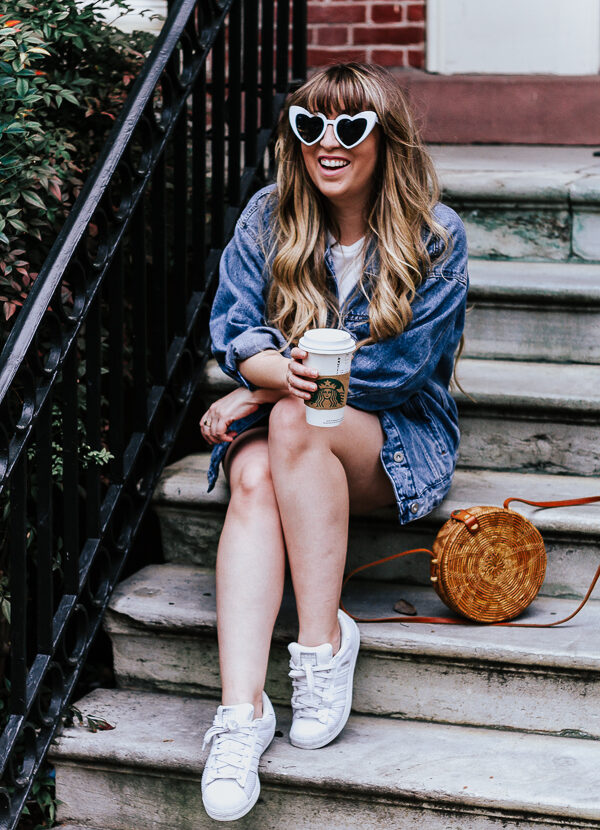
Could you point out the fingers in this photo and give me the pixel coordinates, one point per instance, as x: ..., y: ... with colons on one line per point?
x: 300, y: 377
x: 214, y: 428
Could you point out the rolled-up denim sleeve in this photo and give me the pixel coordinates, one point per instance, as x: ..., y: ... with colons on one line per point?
x: 387, y: 373
x: 237, y: 324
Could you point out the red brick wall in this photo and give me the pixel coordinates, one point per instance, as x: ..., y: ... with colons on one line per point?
x: 377, y: 31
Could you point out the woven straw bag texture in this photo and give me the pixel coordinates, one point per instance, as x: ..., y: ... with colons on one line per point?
x: 489, y: 567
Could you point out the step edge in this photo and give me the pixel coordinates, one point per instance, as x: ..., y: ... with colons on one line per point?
x: 66, y: 753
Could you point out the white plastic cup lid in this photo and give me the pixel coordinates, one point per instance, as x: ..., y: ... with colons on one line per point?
x: 327, y: 341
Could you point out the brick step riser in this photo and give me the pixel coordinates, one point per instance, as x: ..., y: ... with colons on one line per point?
x: 505, y: 332
x: 191, y: 536
x: 171, y: 801
x: 417, y: 687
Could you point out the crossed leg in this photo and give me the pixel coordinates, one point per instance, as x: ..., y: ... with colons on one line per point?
x: 293, y: 488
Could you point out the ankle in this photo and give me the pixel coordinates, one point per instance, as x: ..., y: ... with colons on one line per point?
x: 255, y: 700
x: 312, y: 639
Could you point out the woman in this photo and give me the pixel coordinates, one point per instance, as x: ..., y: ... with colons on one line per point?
x: 351, y: 236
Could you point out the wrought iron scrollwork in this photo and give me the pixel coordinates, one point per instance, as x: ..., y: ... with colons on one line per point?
x: 105, y: 356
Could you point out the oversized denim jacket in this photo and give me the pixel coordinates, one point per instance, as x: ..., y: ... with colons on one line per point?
x: 403, y: 380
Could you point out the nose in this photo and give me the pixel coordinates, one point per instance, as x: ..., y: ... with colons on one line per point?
x: 329, y: 140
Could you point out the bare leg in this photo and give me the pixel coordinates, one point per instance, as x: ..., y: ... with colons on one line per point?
x: 250, y: 572
x: 320, y: 475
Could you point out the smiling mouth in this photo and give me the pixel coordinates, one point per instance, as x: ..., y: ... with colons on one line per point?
x: 332, y: 164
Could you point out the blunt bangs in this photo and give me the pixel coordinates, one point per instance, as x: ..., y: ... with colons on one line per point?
x: 337, y: 90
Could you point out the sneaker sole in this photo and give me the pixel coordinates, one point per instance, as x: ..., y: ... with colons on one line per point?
x: 348, y: 706
x: 253, y: 798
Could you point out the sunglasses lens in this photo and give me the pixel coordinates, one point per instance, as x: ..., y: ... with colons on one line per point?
x: 351, y: 131
x: 309, y: 127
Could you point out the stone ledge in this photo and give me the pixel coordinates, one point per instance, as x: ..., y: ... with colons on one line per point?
x: 518, y: 777
x: 184, y: 483
x: 178, y: 598
x: 569, y: 389
x: 547, y: 284
x: 552, y: 175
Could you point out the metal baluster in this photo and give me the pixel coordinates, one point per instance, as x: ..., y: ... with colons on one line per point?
x: 116, y: 425
x: 179, y: 281
x: 218, y: 141
x: 18, y: 586
x: 266, y: 70
x: 139, y: 294
x: 234, y: 104
x: 282, y: 60
x: 298, y: 41
x: 44, y: 539
x: 93, y: 415
x: 250, y: 80
x: 70, y: 478
x: 158, y: 280
x: 199, y: 179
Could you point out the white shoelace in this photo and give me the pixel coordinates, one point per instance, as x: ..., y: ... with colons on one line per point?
x: 232, y: 750
x: 312, y: 696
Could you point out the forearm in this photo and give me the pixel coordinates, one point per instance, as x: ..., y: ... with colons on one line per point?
x: 266, y: 370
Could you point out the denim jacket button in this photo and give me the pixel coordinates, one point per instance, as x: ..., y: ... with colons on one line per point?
x: 414, y: 507
x: 399, y: 457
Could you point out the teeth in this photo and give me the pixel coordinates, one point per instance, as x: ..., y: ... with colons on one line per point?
x: 333, y: 162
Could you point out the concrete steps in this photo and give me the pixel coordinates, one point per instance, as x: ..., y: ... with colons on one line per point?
x: 540, y: 203
x: 457, y: 727
x: 531, y: 417
x: 536, y: 311
x: 162, y: 623
x: 191, y: 522
x: 378, y: 773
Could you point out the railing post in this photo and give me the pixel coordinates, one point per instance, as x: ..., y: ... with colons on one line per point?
x: 299, y: 26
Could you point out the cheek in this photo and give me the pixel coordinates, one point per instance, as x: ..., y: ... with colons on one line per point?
x: 310, y: 161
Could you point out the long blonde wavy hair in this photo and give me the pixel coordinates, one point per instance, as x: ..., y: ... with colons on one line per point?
x: 400, y: 218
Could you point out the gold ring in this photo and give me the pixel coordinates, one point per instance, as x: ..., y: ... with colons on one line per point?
x: 207, y: 422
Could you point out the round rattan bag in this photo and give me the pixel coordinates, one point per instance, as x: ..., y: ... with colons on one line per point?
x: 489, y: 563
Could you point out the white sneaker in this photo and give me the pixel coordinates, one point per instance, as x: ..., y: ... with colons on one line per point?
x: 322, y: 685
x: 230, y: 785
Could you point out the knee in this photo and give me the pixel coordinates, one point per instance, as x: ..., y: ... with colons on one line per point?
x: 287, y: 424
x: 250, y: 479
x: 289, y: 434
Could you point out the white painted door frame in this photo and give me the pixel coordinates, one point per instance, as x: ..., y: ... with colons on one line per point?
x: 513, y: 36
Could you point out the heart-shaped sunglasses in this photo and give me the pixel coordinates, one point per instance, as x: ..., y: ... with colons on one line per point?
x: 349, y: 130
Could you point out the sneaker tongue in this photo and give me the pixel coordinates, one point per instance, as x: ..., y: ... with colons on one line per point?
x: 240, y: 713
x: 307, y: 656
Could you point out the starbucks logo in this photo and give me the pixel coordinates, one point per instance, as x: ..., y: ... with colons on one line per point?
x: 329, y: 395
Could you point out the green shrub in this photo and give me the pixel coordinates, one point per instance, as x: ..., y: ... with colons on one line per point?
x: 64, y: 73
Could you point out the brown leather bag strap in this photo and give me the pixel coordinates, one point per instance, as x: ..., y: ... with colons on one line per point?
x: 460, y: 621
x: 567, y: 503
x: 445, y: 620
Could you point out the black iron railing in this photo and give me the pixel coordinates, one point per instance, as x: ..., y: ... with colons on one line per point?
x: 107, y: 351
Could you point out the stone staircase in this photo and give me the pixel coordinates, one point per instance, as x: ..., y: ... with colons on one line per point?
x: 454, y: 728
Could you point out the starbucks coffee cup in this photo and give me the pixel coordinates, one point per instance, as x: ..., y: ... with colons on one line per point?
x: 330, y: 352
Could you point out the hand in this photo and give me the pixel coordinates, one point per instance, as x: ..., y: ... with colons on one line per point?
x: 297, y: 376
x: 215, y: 422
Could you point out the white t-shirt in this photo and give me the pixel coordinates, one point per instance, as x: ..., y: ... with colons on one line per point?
x: 347, y: 264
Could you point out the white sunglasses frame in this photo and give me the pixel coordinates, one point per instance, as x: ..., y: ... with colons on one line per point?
x: 369, y: 115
